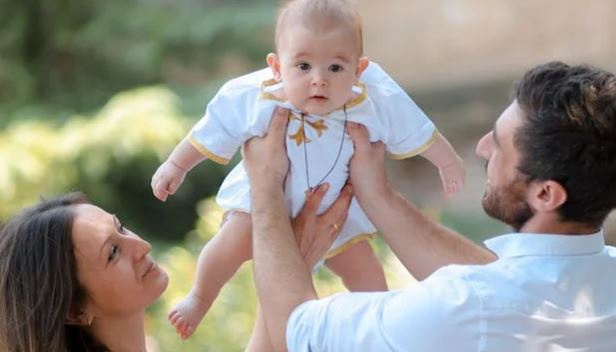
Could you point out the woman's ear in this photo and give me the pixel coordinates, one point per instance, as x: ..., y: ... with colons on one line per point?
x: 362, y: 64
x: 79, y: 318
x: 274, y: 63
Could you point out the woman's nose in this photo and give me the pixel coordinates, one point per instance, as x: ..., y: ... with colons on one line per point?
x: 140, y: 247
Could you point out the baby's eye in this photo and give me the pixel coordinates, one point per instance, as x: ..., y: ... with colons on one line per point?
x: 335, y: 68
x: 113, y: 253
x: 304, y: 66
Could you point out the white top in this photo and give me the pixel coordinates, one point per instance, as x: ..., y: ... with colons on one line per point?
x: 545, y: 293
x: 243, y: 108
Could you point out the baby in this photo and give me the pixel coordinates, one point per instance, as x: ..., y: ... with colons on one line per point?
x: 319, y: 74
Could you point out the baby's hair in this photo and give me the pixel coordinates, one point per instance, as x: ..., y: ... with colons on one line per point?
x: 319, y: 15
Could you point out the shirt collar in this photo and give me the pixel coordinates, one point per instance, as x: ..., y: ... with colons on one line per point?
x: 271, y: 85
x: 527, y: 244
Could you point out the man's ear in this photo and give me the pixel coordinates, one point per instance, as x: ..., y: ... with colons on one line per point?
x: 274, y: 63
x: 362, y: 64
x: 546, y: 196
x: 79, y: 318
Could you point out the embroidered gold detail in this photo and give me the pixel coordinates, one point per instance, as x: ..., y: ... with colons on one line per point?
x: 300, y: 136
x: 267, y: 95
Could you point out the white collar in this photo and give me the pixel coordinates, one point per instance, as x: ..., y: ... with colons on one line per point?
x: 528, y: 244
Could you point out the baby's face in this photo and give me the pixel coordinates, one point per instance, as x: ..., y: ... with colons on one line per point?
x: 318, y: 69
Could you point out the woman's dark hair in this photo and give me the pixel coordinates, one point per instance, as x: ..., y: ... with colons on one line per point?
x: 39, y: 287
x: 569, y: 136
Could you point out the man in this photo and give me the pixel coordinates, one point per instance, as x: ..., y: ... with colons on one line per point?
x: 551, y: 175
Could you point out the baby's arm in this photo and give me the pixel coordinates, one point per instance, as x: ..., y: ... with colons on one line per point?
x: 449, y: 164
x: 169, y: 176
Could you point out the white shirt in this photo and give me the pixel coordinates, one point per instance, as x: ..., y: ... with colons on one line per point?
x: 545, y: 293
x: 243, y: 109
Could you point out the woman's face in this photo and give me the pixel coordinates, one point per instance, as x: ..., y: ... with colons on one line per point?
x: 114, y: 265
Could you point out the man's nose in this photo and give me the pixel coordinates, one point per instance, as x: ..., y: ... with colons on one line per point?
x: 484, y: 146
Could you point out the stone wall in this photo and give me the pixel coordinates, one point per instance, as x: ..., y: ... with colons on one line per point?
x: 438, y: 42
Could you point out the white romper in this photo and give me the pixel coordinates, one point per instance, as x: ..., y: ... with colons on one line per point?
x: 243, y: 108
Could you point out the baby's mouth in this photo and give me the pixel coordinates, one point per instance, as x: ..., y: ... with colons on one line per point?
x: 318, y: 97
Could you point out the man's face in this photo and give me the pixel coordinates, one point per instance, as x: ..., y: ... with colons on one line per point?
x: 506, y: 188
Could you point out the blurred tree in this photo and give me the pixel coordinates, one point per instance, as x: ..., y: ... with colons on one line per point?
x: 78, y: 53
x: 111, y: 157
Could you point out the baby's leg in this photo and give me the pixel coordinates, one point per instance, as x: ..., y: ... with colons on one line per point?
x: 219, y: 260
x: 359, y: 268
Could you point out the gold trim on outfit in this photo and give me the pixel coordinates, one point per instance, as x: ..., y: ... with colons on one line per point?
x: 417, y: 150
x: 203, y: 150
x: 349, y: 243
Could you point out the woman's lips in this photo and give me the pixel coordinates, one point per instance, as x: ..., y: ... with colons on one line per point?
x: 152, y: 267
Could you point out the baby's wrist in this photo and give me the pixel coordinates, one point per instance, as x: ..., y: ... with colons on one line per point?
x: 457, y: 161
x: 176, y: 165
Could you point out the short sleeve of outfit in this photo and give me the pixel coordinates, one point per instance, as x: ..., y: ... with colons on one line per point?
x: 230, y: 118
x: 425, y: 317
x: 406, y: 130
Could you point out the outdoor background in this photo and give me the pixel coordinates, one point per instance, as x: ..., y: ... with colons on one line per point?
x: 94, y: 95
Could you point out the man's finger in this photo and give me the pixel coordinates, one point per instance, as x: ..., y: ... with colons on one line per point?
x: 314, y: 199
x: 340, y: 208
x: 278, y: 124
x: 359, y: 134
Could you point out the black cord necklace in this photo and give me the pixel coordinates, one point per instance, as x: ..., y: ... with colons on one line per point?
x: 337, y: 156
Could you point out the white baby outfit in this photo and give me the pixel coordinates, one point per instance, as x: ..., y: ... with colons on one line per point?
x: 243, y: 108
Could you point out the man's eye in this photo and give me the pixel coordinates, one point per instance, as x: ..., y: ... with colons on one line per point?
x: 113, y: 253
x: 335, y: 68
x: 304, y: 66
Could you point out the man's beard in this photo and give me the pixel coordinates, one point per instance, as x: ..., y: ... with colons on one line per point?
x: 508, y: 205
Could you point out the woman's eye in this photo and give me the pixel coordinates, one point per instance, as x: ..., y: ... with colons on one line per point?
x: 304, y: 66
x: 335, y: 68
x: 113, y: 253
x: 121, y: 229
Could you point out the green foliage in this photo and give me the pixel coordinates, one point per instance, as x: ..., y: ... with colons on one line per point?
x: 78, y: 53
x: 111, y: 157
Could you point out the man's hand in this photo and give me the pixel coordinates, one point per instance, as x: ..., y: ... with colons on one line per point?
x: 367, y: 167
x: 265, y: 159
x: 316, y: 233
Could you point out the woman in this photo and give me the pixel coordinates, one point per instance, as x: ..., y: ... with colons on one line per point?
x: 73, y: 278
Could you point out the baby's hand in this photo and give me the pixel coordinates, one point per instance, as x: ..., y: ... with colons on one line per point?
x: 167, y: 179
x: 452, y: 176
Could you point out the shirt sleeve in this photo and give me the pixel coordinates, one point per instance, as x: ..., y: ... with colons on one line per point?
x: 228, y: 122
x: 408, y: 131
x: 440, y: 312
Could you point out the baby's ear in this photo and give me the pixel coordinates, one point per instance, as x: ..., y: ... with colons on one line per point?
x: 274, y: 63
x: 362, y: 64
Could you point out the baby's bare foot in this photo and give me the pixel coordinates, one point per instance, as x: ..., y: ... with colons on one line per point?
x: 187, y: 315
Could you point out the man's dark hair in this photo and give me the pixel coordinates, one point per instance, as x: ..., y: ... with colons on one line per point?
x: 569, y: 136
